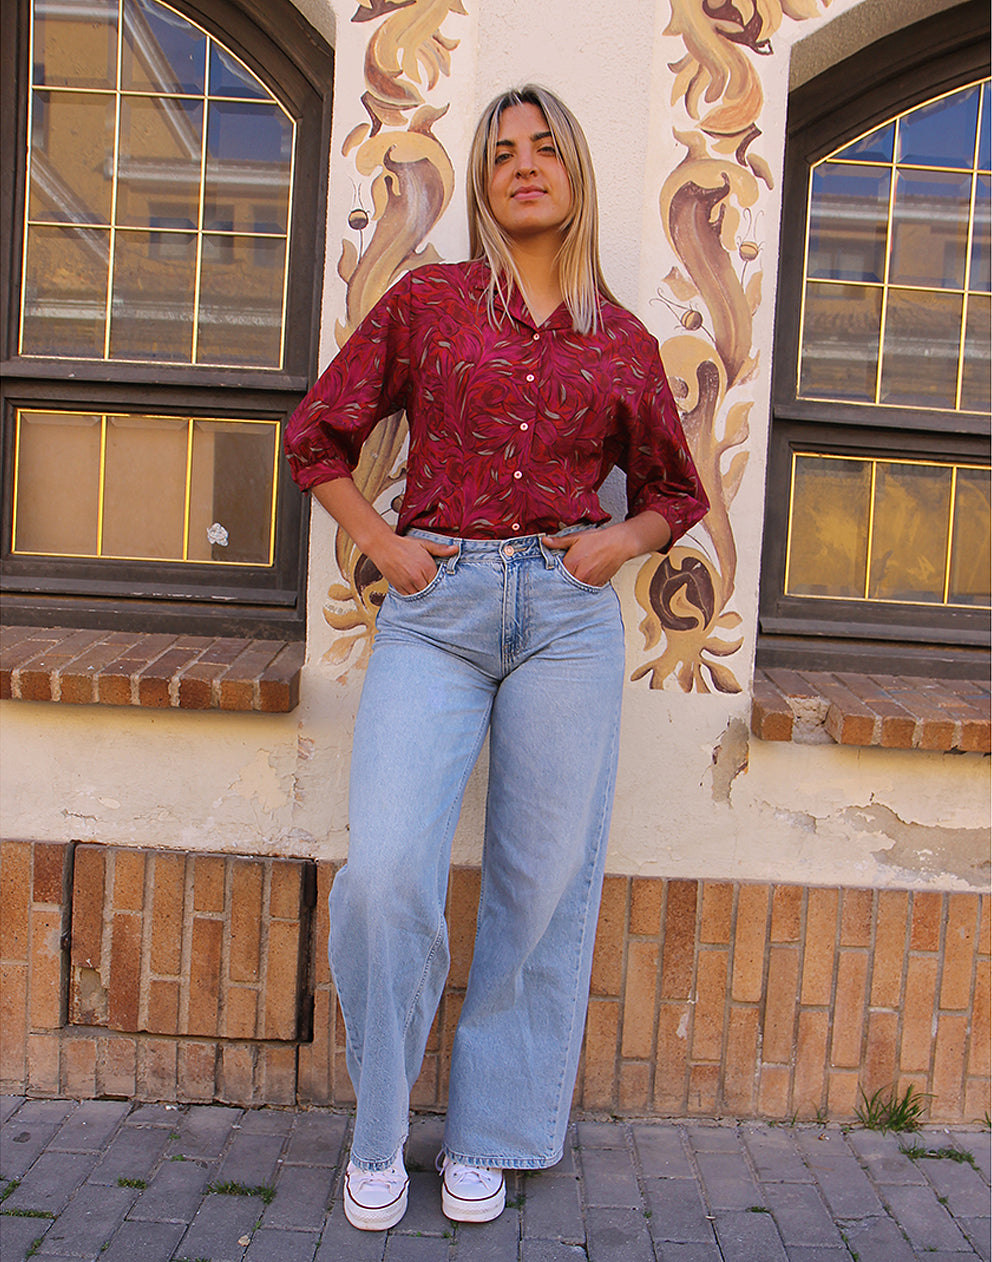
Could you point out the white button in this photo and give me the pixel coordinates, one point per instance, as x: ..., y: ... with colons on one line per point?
x: 515, y: 526
x: 518, y: 474
x: 536, y: 337
x: 530, y: 376
x: 524, y: 425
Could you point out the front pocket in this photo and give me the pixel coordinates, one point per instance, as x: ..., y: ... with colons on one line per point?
x: 569, y: 577
x: 424, y: 591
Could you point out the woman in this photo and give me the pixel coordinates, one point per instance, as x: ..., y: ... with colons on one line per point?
x: 524, y: 383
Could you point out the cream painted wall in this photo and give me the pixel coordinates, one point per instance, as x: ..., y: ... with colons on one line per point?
x: 696, y: 797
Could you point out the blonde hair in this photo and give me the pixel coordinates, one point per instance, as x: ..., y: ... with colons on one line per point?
x: 579, y: 272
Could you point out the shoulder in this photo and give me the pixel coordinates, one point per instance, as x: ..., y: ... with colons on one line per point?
x: 447, y: 280
x: 626, y: 333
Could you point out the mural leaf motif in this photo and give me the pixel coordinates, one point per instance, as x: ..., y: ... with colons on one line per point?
x: 705, y: 203
x: 412, y: 181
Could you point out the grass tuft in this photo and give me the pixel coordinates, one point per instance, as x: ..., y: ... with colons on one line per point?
x: 947, y: 1153
x: 124, y: 1182
x: 886, y: 1110
x: 264, y: 1191
x: 12, y: 1186
x: 27, y: 1213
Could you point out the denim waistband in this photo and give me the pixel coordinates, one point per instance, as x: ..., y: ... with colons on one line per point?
x: 510, y: 548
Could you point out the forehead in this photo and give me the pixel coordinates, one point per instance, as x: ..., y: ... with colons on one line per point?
x: 518, y: 121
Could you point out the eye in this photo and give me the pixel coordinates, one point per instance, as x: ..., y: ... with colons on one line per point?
x: 500, y: 158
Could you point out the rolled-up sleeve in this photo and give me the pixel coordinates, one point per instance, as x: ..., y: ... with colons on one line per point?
x: 661, y: 475
x: 367, y: 380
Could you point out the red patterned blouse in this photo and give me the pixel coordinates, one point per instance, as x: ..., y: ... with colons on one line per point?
x: 513, y: 426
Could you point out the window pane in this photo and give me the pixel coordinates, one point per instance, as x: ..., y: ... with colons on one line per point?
x: 58, y: 483
x: 241, y: 298
x: 840, y: 342
x: 921, y: 348
x: 65, y: 292
x: 971, y: 559
x: 75, y: 43
x: 876, y: 147
x: 231, y: 492
x: 909, y: 532
x: 247, y: 176
x: 159, y: 171
x: 930, y: 229
x: 829, y: 527
x: 145, y: 487
x: 975, y: 387
x: 981, y: 272
x: 162, y: 52
x: 848, y: 222
x: 154, y: 284
x: 984, y: 142
x: 228, y: 77
x: 72, y: 157
x: 941, y: 134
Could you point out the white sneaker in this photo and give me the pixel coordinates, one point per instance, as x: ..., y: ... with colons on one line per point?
x: 375, y: 1200
x: 471, y: 1194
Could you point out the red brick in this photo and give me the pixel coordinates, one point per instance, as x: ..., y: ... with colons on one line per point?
x: 239, y: 683
x: 113, y: 687
x: 787, y: 913
x: 154, y: 680
x: 671, y: 1056
x: 463, y: 905
x: 639, y: 999
x: 208, y: 883
x: 168, y: 891
x: 45, y: 999
x: 679, y: 939
x: 240, y: 1012
x: 321, y: 928
x: 918, y: 1014
x: 599, y: 1064
x: 15, y: 894
x: 820, y: 941
x: 856, y: 918
x: 281, y: 980
x: 717, y: 913
x: 985, y: 926
x: 780, y: 1005
x: 196, y: 686
x: 315, y: 1059
x: 344, y: 1091
x: 774, y: 1098
x: 204, y: 977
x: 849, y: 1009
x: 88, y: 875
x: 279, y: 685
x: 947, y: 1099
x: 278, y: 1072
x: 49, y: 871
x: 646, y: 897
x: 236, y: 1073
x: 125, y: 972
x: 13, y: 1022
x: 163, y: 1007
x: 749, y: 943
x: 809, y: 1094
x: 129, y: 880
x: 771, y: 715
x: 195, y: 1071
x: 116, y: 1064
x: 890, y: 946
x: 79, y: 1067
x: 711, y: 994
x: 842, y: 1094
x: 43, y: 1064
x: 959, y: 950
x: 607, y: 964
x: 977, y: 1100
x: 33, y: 684
x: 740, y: 1066
x: 981, y: 1034
x: 704, y: 1087
x: 881, y: 1051
x: 927, y: 915
x: 246, y: 919
x: 80, y: 677
x: 634, y: 1087
x: 156, y: 1075
x: 286, y: 889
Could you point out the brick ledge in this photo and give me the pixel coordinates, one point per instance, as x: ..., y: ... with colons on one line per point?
x: 887, y: 711
x: 185, y: 672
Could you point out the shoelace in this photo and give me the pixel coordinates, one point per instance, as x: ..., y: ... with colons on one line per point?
x: 385, y: 1179
x: 460, y: 1175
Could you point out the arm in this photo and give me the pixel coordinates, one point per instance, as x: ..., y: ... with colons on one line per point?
x: 594, y: 556
x: 408, y: 564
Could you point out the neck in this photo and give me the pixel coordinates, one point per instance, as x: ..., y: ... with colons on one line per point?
x: 537, y: 262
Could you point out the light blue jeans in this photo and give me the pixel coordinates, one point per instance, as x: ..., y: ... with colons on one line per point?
x: 502, y: 640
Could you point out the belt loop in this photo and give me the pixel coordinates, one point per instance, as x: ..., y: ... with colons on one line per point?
x: 451, y: 562
x: 547, y: 553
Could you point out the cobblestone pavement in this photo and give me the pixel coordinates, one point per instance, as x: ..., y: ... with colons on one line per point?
x: 122, y: 1182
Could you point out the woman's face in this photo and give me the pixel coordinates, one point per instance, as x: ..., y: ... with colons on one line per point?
x: 529, y: 190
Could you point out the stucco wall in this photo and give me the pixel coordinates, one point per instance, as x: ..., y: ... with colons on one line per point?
x: 697, y: 797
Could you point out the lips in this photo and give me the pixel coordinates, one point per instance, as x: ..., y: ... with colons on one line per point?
x: 528, y: 193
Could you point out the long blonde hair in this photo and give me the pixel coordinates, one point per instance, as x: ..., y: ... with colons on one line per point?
x: 579, y: 272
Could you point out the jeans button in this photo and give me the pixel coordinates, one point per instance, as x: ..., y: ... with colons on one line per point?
x: 508, y: 550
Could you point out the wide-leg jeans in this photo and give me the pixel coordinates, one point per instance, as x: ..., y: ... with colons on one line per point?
x: 503, y: 640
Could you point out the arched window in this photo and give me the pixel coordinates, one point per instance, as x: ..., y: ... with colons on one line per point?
x: 161, y: 320
x: 878, y: 513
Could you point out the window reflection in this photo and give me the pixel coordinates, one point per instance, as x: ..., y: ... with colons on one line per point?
x: 202, y: 148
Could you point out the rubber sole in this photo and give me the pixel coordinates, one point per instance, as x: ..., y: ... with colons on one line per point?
x: 462, y: 1210
x: 374, y: 1218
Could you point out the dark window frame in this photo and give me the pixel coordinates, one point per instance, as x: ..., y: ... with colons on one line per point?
x: 905, y: 70
x: 257, y: 601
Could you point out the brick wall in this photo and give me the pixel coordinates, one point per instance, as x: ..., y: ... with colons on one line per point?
x: 162, y: 975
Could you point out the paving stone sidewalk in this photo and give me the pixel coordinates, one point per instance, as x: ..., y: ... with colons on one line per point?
x: 122, y: 1182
